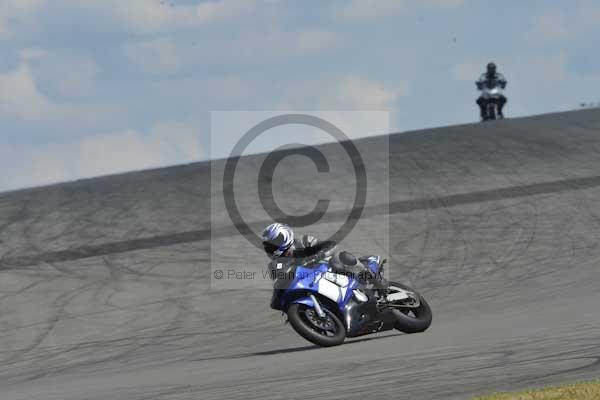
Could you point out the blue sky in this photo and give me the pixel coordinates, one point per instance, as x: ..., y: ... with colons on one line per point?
x: 96, y: 87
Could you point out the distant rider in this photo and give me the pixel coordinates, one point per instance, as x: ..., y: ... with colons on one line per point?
x: 491, y: 79
x: 281, y: 247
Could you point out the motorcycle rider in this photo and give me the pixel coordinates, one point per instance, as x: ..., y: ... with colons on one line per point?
x: 278, y: 241
x: 491, y: 79
x: 281, y: 247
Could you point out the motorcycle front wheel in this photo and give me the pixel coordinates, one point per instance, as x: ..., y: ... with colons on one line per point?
x: 491, y: 112
x: 326, y: 332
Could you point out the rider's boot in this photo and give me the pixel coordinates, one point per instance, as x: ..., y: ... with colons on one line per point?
x: 379, y: 283
x: 372, y: 280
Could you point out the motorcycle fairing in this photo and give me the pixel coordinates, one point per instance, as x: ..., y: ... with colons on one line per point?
x: 364, y: 318
x: 319, y: 279
x: 359, y: 317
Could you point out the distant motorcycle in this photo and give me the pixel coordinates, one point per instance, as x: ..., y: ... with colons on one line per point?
x: 325, y: 306
x: 491, y: 93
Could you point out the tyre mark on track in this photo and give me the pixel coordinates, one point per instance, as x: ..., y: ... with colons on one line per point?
x: 395, y: 207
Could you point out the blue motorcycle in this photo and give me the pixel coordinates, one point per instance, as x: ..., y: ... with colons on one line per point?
x: 329, y: 297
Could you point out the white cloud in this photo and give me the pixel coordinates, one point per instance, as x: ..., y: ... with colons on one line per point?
x: 370, y: 10
x: 229, y: 89
x: 16, y: 15
x: 221, y: 92
x: 589, y: 13
x: 26, y: 165
x: 20, y: 97
x: 374, y: 10
x: 444, y: 3
x: 168, y: 55
x: 558, y: 26
x: 78, y: 78
x: 160, y: 55
x: 312, y: 41
x: 358, y: 92
x: 348, y: 92
x: 28, y: 20
x: 259, y: 47
x: 31, y: 54
x: 550, y: 27
x: 144, y: 16
x: 167, y: 143
x: 23, y: 102
x: 64, y: 74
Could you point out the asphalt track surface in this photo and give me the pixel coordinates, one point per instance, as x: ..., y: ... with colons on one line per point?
x: 105, y: 284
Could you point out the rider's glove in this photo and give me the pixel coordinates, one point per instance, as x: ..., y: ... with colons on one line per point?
x: 309, y: 241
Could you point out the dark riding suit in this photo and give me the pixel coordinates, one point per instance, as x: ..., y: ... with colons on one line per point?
x: 342, y: 262
x: 491, y: 81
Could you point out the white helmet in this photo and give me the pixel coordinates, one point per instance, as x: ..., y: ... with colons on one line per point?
x: 277, y: 239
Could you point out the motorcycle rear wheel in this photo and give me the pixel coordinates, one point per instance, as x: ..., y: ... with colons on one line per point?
x: 412, y: 320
